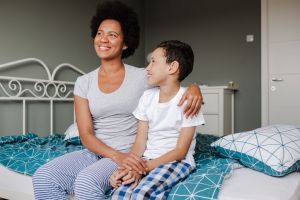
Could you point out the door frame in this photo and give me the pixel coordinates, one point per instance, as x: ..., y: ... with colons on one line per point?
x: 264, y: 64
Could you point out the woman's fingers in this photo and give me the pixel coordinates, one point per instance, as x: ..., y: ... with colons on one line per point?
x: 133, y: 162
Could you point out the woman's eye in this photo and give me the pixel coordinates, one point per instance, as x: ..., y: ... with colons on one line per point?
x: 113, y: 35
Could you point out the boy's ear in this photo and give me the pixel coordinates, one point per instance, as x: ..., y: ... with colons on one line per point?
x: 174, y: 67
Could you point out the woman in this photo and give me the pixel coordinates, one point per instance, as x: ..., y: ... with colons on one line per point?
x: 104, y: 101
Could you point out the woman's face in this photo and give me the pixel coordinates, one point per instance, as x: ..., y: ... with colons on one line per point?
x: 109, y: 40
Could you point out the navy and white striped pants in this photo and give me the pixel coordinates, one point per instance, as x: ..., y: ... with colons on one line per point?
x: 82, y: 173
x: 157, y: 184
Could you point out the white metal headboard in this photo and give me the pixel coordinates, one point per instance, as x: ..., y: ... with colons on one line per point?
x: 15, y: 89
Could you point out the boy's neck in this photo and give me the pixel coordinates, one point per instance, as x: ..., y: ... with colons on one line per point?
x: 168, y: 91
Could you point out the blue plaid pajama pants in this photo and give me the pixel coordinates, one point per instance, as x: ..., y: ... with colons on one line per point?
x: 157, y: 184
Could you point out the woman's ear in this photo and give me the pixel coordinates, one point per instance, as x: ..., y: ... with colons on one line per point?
x: 174, y: 67
x: 125, y: 47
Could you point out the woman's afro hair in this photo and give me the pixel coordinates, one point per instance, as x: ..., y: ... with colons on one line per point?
x: 126, y: 16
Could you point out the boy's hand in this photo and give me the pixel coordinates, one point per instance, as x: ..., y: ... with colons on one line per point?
x: 114, y: 179
x: 131, y: 177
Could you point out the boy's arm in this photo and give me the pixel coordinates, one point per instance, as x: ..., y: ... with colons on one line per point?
x: 180, y: 151
x: 139, y: 145
x: 138, y: 149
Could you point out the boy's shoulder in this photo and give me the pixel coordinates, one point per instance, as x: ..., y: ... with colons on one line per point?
x: 151, y: 91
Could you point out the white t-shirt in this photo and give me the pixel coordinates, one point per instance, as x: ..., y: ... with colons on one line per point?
x: 165, y: 121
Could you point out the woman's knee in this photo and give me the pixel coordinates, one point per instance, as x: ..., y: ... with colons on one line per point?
x: 87, y: 181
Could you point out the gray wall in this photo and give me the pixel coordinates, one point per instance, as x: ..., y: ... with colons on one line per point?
x: 217, y: 32
x: 55, y: 31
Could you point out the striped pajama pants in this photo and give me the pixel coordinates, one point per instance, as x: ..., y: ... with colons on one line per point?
x: 157, y: 184
x: 82, y: 173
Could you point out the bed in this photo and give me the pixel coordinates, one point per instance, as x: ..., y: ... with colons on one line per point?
x: 216, y: 176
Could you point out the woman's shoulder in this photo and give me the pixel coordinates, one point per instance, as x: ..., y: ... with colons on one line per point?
x: 135, y: 70
x: 86, y: 78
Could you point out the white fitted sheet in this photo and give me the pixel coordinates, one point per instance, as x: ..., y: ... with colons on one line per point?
x: 247, y: 184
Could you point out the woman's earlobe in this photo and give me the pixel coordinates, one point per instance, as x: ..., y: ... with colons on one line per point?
x: 125, y: 47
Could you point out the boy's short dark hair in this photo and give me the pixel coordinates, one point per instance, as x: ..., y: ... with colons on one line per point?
x: 126, y: 16
x: 182, y: 53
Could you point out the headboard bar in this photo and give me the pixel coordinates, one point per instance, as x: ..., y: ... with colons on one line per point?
x: 30, y: 89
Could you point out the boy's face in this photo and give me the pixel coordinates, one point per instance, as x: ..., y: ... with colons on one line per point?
x: 157, y: 70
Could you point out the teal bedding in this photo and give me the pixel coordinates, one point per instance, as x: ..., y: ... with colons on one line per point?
x: 26, y: 153
x: 206, y: 181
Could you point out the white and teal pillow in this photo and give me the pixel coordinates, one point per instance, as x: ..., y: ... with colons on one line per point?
x: 273, y: 150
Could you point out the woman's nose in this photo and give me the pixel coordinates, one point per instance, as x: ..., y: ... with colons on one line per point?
x: 103, y: 38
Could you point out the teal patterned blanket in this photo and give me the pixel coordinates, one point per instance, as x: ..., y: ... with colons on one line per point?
x: 26, y: 153
x: 205, y: 183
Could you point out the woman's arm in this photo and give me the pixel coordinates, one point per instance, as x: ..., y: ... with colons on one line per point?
x: 194, y: 99
x: 180, y: 151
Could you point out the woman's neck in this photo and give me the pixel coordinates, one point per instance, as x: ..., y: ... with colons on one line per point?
x: 111, y: 67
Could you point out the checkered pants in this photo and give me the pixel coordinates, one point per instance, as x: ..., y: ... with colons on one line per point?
x: 157, y: 184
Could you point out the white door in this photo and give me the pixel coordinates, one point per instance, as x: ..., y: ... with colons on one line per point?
x: 284, y: 61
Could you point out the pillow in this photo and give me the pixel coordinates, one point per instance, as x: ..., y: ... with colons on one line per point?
x: 273, y: 150
x: 71, y: 132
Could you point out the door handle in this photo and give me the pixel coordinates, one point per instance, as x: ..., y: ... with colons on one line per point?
x: 277, y: 79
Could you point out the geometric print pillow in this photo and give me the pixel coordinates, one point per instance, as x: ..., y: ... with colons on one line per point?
x: 273, y: 150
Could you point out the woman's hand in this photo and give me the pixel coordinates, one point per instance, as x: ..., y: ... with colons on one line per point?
x: 194, y: 99
x: 134, y: 162
x: 131, y: 161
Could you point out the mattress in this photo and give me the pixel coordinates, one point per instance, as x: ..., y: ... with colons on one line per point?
x: 15, y: 186
x: 247, y: 184
x: 244, y: 184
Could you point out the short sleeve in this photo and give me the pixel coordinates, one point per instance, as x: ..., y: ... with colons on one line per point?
x: 81, y: 86
x: 194, y: 121
x: 140, y: 111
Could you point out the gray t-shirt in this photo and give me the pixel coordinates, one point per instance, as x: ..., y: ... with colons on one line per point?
x: 112, y: 115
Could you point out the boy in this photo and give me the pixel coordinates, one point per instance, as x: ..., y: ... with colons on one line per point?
x: 165, y: 137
